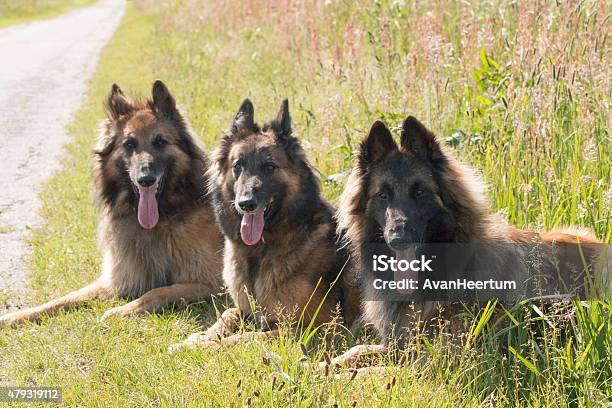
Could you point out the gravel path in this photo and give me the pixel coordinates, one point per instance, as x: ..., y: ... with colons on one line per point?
x: 44, y: 75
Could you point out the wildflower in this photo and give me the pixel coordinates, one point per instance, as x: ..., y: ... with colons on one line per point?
x: 526, y: 188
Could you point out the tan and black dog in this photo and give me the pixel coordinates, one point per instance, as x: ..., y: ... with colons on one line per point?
x: 157, y: 232
x: 416, y: 193
x: 281, y: 249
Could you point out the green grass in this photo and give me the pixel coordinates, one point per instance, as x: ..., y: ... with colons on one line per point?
x: 24, y: 11
x: 522, y: 95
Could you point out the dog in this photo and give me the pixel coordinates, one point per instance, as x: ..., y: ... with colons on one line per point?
x: 417, y: 193
x: 281, y: 248
x: 157, y: 231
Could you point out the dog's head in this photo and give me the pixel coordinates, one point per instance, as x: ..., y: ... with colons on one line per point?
x: 146, y: 157
x: 404, y: 195
x: 262, y: 173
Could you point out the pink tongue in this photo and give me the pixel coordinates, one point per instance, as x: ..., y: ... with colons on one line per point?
x: 148, y: 214
x: 251, y: 227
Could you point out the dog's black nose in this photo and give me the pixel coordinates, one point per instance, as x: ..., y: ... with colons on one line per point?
x: 400, y: 242
x: 248, y: 204
x: 146, y: 181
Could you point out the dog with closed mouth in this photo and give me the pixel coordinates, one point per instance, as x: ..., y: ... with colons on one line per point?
x: 281, y: 248
x: 416, y: 193
x: 157, y: 233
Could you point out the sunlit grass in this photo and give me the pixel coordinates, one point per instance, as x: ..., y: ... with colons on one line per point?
x: 23, y: 11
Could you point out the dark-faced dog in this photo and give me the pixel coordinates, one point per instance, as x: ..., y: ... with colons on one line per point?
x: 157, y: 232
x: 281, y: 249
x: 416, y: 193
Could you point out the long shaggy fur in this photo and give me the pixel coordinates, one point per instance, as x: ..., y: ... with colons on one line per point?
x: 186, y: 245
x: 298, y: 258
x: 181, y: 257
x: 463, y: 195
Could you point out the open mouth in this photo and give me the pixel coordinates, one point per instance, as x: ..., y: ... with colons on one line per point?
x: 148, y: 208
x: 252, y: 225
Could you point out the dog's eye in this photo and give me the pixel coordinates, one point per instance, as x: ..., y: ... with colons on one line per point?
x: 129, y: 143
x: 382, y: 195
x: 237, y: 166
x: 270, y: 167
x: 160, y: 141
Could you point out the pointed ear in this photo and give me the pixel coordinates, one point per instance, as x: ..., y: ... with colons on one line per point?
x: 245, y: 118
x: 163, y: 102
x: 105, y: 143
x: 376, y: 145
x: 284, y: 119
x: 417, y: 139
x: 117, y: 104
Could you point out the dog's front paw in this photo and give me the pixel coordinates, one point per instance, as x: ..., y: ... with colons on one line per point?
x: 196, y: 340
x: 132, y: 308
x: 7, y: 320
x: 117, y: 311
x: 14, y: 318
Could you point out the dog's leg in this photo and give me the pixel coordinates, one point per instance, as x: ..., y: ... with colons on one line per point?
x: 228, y: 323
x: 248, y: 336
x: 156, y: 298
x: 96, y: 290
x: 352, y: 356
x: 225, y: 341
x: 225, y: 325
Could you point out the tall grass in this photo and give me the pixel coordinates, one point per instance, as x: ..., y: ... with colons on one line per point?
x: 519, y: 90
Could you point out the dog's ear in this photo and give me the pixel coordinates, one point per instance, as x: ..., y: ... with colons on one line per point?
x: 376, y: 145
x: 117, y: 104
x: 283, y: 119
x: 417, y: 139
x: 163, y: 104
x: 245, y: 118
x: 105, y: 144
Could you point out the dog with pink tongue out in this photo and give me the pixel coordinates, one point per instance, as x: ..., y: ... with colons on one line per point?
x: 281, y: 255
x: 157, y: 230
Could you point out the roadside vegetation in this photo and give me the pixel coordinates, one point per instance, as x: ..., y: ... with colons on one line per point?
x: 23, y: 11
x: 519, y: 91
